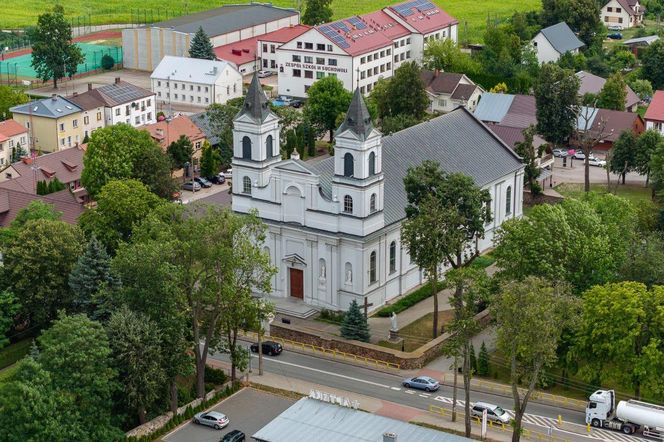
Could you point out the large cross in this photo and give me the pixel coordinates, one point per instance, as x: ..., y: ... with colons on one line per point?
x: 367, y: 304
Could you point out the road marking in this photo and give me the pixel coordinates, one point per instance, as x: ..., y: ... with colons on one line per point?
x: 395, y: 388
x: 443, y: 399
x: 329, y: 373
x: 409, y: 392
x: 424, y: 395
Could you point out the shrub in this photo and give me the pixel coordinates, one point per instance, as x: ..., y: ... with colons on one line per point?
x: 408, y: 301
x: 215, y: 376
x: 355, y: 324
x: 107, y: 62
x: 331, y: 316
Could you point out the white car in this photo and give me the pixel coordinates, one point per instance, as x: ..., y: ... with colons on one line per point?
x: 596, y: 162
x: 264, y: 74
x: 228, y: 174
x: 493, y: 412
x: 560, y: 153
x: 579, y: 155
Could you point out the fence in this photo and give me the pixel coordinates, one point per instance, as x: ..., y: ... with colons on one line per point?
x: 536, y: 395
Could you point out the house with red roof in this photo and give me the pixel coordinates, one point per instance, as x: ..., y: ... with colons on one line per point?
x: 655, y: 114
x: 622, y: 14
x: 362, y: 49
x: 12, y: 134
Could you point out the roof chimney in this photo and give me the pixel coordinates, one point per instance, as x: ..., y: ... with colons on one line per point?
x: 26, y: 160
x: 389, y: 437
x: 89, y: 86
x: 54, y: 97
x: 295, y: 155
x: 117, y: 80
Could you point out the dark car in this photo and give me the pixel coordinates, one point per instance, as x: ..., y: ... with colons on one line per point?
x: 269, y: 348
x: 615, y: 36
x: 233, y: 436
x: 217, y: 179
x: 296, y: 103
x: 203, y: 182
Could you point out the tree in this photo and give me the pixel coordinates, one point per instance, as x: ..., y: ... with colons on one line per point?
x: 210, y: 160
x: 583, y: 16
x: 54, y: 56
x: 201, y: 47
x: 645, y: 146
x: 354, y: 325
x: 499, y: 88
x: 483, y: 361
x: 121, y: 205
x: 220, y: 119
x: 107, y: 62
x: 76, y: 354
x: 37, y: 262
x: 618, y: 325
x: 445, y: 55
x: 152, y: 167
x: 17, y: 153
x: 623, y: 159
x: 34, y: 210
x: 652, y: 61
x: 317, y: 12
x: 10, y: 97
x: 91, y: 273
x: 642, y: 88
x: 473, y: 358
x: 9, y: 306
x: 112, y: 154
x: 135, y: 343
x: 180, y: 152
x: 556, y: 96
x: 526, y: 150
x: 530, y: 316
x: 657, y: 164
x: 390, y: 125
x: 327, y: 99
x: 614, y: 93
x: 402, y: 94
x: 589, y: 131
x: 645, y: 261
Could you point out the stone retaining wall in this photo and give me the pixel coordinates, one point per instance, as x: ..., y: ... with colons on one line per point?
x: 404, y: 360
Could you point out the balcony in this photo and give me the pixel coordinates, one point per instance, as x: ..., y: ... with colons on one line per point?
x: 545, y: 161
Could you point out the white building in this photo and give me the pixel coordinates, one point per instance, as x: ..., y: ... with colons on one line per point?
x: 447, y: 91
x: 552, y: 42
x: 92, y: 111
x: 12, y: 134
x: 654, y: 116
x: 622, y: 14
x: 195, y: 82
x: 334, y: 226
x: 360, y: 50
x: 144, y: 47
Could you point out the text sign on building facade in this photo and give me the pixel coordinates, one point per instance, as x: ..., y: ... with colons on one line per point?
x: 333, y: 399
x: 315, y: 67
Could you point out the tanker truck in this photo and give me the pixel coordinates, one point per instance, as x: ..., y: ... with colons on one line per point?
x: 628, y: 416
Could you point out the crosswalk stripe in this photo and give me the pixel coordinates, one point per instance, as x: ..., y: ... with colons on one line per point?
x: 443, y: 399
x: 409, y: 392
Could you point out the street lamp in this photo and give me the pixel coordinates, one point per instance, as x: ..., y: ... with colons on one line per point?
x: 186, y: 170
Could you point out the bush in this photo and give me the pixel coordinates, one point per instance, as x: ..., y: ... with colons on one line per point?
x: 484, y: 261
x: 107, y: 62
x: 215, y: 376
x: 184, y: 395
x: 331, y: 316
x: 408, y: 301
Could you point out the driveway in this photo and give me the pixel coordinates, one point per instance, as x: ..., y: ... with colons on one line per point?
x: 249, y: 410
x: 573, y: 173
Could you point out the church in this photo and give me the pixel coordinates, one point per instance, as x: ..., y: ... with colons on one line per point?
x: 334, y: 225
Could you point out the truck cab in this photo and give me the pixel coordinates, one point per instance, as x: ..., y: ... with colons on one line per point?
x: 600, y: 407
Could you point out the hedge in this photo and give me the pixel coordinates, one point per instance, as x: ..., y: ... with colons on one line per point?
x: 408, y: 301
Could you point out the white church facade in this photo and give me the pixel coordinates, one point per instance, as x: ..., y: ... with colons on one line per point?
x: 334, y: 225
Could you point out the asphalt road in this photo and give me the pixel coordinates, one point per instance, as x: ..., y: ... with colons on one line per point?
x: 388, y: 387
x: 248, y: 410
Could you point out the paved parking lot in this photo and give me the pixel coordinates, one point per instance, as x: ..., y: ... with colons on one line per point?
x: 249, y: 410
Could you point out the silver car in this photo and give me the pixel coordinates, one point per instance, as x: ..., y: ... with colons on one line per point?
x: 493, y: 412
x: 422, y: 383
x: 212, y: 419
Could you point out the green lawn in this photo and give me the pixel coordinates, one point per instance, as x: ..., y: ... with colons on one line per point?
x: 24, y: 12
x: 6, y: 373
x: 418, y: 333
x: 636, y: 194
x: 14, y: 352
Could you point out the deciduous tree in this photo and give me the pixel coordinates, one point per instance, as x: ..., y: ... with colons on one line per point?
x: 220, y: 119
x: 403, y: 93
x: 9, y: 307
x: 201, y: 47
x: 529, y: 154
x: 614, y: 93
x: 327, y: 99
x: 645, y: 146
x: 317, y: 12
x: 642, y: 88
x: 652, y: 62
x: 556, y: 96
x: 210, y: 160
x: 445, y: 55
x: 152, y: 167
x: 10, y: 97
x: 623, y: 158
x: 180, y: 152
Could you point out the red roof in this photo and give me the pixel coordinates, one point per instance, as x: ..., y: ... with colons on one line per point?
x: 10, y: 128
x: 656, y: 109
x: 244, y: 51
x: 12, y: 201
x: 424, y: 19
x: 165, y: 132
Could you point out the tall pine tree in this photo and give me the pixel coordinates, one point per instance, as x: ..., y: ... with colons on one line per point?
x: 91, y: 273
x: 473, y: 358
x: 483, y: 361
x: 201, y: 47
x: 354, y: 325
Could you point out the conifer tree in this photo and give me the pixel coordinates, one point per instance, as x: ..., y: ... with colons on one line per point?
x: 473, y: 358
x: 483, y: 361
x: 91, y: 273
x: 354, y: 325
x: 201, y: 46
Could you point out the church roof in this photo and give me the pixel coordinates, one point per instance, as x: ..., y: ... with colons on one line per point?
x: 457, y: 140
x: 358, y: 119
x: 255, y: 103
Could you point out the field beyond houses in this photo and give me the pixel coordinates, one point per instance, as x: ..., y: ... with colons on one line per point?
x: 472, y: 14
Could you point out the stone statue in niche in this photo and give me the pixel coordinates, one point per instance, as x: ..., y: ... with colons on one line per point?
x: 323, y: 272
x: 349, y: 276
x: 393, y: 321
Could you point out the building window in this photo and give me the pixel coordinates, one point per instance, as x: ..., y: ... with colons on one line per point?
x: 246, y: 148
x: 396, y: 59
x: 369, y: 57
x: 408, y: 54
x: 372, y: 163
x: 308, y: 46
x: 508, y: 201
x: 308, y: 59
x: 272, y: 50
x: 372, y: 203
x: 362, y: 75
x: 158, y: 83
x: 297, y: 58
x: 363, y: 60
x: 320, y: 47
x: 329, y: 48
x: 609, y: 9
x: 268, y: 145
x: 320, y: 75
x: 246, y: 185
x: 393, y: 257
x: 308, y: 74
x: 86, y: 120
x: 372, y: 268
x: 332, y: 74
x: 62, y: 127
x: 264, y: 47
x: 332, y: 61
x: 273, y: 64
x: 297, y: 73
x: 299, y: 45
x: 619, y: 10
x: 349, y: 165
x: 382, y: 54
x: 320, y: 60
x: 388, y: 51
x: 206, y: 88
x: 348, y: 204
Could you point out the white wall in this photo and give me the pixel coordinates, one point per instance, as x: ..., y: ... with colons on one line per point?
x: 613, y: 18
x: 7, y: 146
x: 135, y: 113
x: 95, y: 120
x: 545, y: 52
x: 656, y: 125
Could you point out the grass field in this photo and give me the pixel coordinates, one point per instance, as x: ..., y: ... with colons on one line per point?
x: 639, y: 195
x: 418, y: 333
x: 22, y: 13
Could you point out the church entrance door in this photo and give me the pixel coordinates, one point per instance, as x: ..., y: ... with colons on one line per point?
x: 296, y: 283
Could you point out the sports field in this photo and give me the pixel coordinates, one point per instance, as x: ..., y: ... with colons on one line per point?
x: 22, y: 13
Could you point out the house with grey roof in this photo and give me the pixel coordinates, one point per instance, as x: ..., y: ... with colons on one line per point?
x: 334, y: 226
x: 552, y: 42
x: 195, y: 82
x: 593, y: 84
x: 144, y: 47
x: 448, y: 90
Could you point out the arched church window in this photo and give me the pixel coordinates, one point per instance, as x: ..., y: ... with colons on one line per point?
x: 246, y: 148
x: 372, y: 203
x: 349, y: 165
x: 372, y: 268
x: 268, y: 146
x: 246, y: 185
x: 508, y: 201
x: 348, y: 204
x: 372, y: 164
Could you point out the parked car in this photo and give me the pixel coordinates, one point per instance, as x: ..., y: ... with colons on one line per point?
x: 269, y: 348
x: 596, y: 162
x: 560, y: 153
x: 493, y: 412
x: 192, y: 186
x: 579, y: 155
x: 296, y: 103
x: 614, y: 28
x: 217, y: 179
x: 233, y: 436
x: 615, y: 36
x: 264, y: 74
x: 203, y: 182
x: 422, y: 383
x: 212, y: 419
x: 228, y: 174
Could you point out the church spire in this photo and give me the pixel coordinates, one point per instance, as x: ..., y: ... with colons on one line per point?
x: 255, y: 103
x: 357, y: 118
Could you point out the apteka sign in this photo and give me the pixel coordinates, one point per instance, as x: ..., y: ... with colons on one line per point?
x: 333, y: 399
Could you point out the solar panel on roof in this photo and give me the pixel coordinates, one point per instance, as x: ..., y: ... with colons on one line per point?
x: 325, y: 28
x: 359, y: 24
x: 344, y: 45
x: 425, y: 6
x: 340, y: 25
